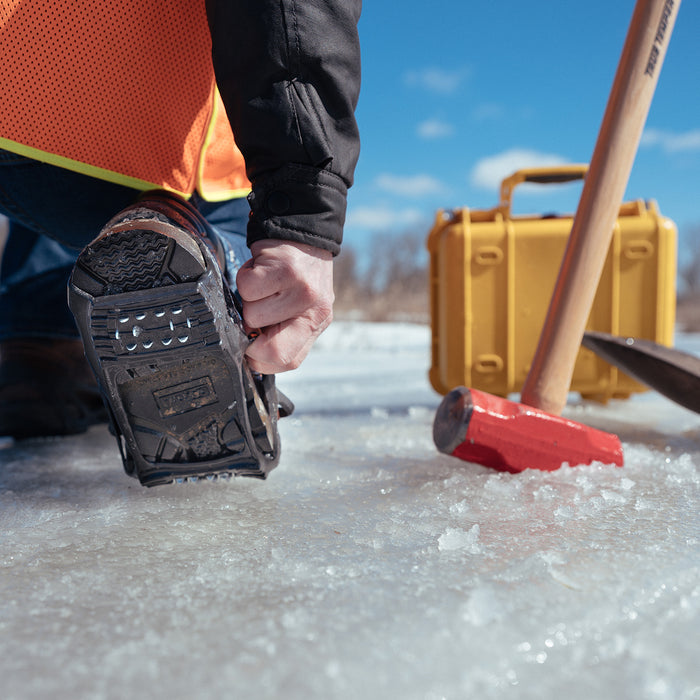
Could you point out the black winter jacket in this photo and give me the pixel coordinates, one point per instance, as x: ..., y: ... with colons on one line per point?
x: 289, y: 75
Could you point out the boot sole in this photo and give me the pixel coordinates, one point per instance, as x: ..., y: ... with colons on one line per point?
x: 168, y: 351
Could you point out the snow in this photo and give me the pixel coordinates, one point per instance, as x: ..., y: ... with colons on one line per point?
x: 366, y: 566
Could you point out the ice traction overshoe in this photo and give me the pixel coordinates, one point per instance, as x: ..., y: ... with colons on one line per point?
x: 166, y: 340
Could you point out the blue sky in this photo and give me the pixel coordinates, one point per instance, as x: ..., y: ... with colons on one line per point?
x: 456, y: 94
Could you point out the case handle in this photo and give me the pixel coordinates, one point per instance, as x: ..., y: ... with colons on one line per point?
x: 541, y: 176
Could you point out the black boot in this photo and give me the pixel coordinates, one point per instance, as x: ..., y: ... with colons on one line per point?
x: 166, y: 339
x: 46, y: 389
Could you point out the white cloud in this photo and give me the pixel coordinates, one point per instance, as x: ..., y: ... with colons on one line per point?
x: 436, y: 79
x: 432, y: 129
x: 409, y: 185
x: 382, y: 217
x: 672, y: 142
x: 488, y: 111
x: 489, y: 172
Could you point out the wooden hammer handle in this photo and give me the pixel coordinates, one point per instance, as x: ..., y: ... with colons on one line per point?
x: 549, y: 378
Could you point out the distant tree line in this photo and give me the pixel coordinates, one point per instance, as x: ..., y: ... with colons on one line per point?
x: 391, y: 284
x: 688, y: 309
x: 394, y: 284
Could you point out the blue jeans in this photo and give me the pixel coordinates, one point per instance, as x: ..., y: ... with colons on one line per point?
x: 54, y: 213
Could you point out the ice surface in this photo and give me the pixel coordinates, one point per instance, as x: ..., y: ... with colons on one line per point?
x: 366, y: 566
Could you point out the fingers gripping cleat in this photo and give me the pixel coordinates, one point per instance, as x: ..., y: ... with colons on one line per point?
x: 165, y: 338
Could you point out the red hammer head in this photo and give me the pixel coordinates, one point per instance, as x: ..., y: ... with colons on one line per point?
x: 508, y: 436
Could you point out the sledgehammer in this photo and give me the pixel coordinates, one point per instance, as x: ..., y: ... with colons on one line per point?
x: 506, y: 436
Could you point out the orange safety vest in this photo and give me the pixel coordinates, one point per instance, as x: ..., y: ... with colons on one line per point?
x: 122, y: 91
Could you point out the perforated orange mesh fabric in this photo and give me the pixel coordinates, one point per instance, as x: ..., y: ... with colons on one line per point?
x: 122, y: 90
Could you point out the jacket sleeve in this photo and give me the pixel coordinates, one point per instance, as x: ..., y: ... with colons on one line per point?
x: 289, y: 75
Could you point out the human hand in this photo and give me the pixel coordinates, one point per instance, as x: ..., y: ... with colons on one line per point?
x: 287, y: 292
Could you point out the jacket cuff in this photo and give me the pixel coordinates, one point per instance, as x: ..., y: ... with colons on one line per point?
x: 299, y: 203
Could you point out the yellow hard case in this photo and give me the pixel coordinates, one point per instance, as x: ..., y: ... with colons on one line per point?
x: 492, y: 275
